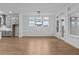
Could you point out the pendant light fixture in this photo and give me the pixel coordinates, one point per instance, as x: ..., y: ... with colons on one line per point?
x: 38, y: 21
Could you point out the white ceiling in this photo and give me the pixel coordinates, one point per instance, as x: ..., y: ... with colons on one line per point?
x: 31, y: 8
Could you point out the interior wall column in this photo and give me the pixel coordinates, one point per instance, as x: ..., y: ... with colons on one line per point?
x: 20, y: 26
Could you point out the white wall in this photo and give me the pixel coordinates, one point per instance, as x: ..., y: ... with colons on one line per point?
x: 68, y: 11
x: 47, y: 9
x: 38, y: 31
x: 73, y: 39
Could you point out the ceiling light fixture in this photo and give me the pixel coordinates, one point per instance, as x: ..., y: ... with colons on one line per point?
x: 10, y: 12
x: 1, y: 12
x: 38, y: 12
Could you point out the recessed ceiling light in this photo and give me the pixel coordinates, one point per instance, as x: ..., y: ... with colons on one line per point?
x: 10, y: 11
x: 1, y: 11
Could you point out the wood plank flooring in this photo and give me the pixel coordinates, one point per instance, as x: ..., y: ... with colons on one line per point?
x: 36, y: 46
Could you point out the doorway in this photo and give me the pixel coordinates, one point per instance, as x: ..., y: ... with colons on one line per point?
x: 62, y: 28
x: 12, y: 23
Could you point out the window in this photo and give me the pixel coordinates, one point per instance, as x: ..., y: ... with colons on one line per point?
x: 45, y: 23
x: 31, y: 23
x: 74, y: 26
x: 45, y: 18
x: 38, y: 21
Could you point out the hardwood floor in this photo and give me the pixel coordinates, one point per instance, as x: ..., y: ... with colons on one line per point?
x: 36, y: 46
